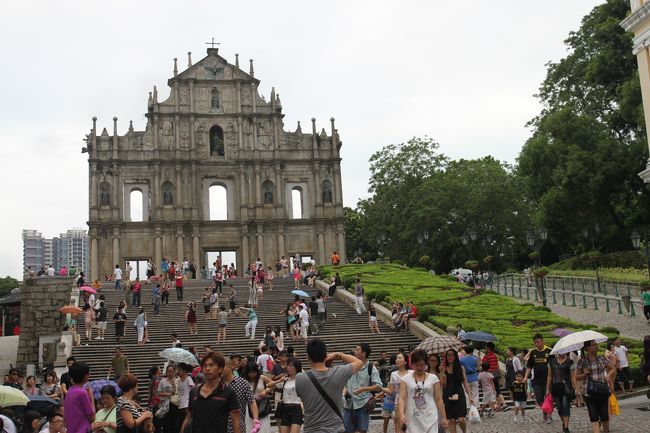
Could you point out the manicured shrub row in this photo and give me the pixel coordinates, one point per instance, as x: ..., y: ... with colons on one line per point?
x: 444, y: 303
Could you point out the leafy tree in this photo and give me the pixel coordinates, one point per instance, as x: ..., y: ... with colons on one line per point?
x: 588, y: 145
x: 7, y: 284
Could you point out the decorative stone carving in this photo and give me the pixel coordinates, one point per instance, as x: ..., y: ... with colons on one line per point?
x: 104, y: 194
x: 268, y: 195
x: 168, y: 194
x: 183, y: 96
x: 167, y: 135
x: 214, y: 100
x: 327, y: 192
x: 264, y: 136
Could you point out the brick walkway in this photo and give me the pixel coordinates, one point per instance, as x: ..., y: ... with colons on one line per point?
x: 631, y: 420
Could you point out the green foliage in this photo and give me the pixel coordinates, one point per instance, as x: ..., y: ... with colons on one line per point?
x: 540, y: 272
x: 619, y: 259
x: 609, y: 330
x: 581, y: 164
x: 472, y: 264
x: 628, y: 275
x: 424, y: 260
x: 444, y: 303
x: 397, y: 262
x: 7, y: 284
x: 645, y: 284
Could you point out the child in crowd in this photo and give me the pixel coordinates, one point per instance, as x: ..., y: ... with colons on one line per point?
x: 518, y: 394
x: 486, y: 379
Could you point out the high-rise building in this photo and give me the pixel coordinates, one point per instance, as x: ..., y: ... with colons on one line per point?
x: 69, y: 249
x: 33, y: 249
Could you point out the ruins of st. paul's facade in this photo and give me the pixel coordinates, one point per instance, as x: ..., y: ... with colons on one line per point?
x: 279, y: 193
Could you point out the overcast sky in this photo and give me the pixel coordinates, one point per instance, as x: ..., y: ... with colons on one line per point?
x: 462, y: 72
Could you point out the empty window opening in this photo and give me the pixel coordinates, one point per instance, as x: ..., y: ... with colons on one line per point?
x: 296, y: 203
x: 218, y: 197
x: 136, y: 208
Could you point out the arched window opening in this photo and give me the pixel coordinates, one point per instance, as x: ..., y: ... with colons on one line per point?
x: 216, y: 141
x: 267, y: 192
x: 136, y: 206
x: 327, y: 191
x: 168, y: 193
x: 296, y: 203
x: 218, y: 197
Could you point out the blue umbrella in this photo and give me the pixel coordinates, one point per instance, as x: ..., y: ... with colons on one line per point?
x: 300, y: 293
x: 97, y: 385
x: 479, y: 336
x: 41, y: 403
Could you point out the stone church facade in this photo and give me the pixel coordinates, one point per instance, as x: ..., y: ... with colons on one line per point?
x: 214, y: 130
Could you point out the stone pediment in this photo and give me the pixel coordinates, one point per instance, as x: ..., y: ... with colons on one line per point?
x: 213, y: 67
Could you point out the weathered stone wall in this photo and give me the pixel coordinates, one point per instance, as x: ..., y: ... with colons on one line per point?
x: 40, y: 301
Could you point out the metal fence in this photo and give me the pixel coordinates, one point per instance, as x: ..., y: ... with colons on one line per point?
x: 571, y: 291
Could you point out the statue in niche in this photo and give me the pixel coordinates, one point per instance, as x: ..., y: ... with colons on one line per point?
x: 327, y: 193
x: 215, y: 99
x: 268, y: 195
x: 263, y: 134
x: 104, y: 195
x: 168, y: 195
x: 216, y: 141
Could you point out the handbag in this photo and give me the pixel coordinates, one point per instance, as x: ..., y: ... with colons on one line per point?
x: 547, y: 406
x: 163, y: 408
x: 280, y: 404
x: 596, y: 388
x: 370, y: 404
x: 263, y: 407
x: 323, y: 394
x: 568, y: 390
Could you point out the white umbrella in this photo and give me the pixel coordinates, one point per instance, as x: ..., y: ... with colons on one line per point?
x: 179, y: 355
x: 576, y: 340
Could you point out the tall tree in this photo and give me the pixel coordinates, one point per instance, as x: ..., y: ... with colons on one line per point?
x: 588, y: 144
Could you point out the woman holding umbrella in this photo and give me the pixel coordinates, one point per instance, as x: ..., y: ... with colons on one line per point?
x: 166, y: 388
x: 595, y: 370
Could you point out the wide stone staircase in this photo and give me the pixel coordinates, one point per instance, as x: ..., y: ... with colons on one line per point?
x: 343, y: 330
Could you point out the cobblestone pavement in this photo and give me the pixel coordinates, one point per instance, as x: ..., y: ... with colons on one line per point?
x: 631, y: 420
x: 632, y: 327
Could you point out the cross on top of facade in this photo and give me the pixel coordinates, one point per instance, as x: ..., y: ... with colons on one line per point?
x: 213, y: 43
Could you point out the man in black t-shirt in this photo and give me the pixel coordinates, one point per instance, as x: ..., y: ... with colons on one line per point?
x: 538, y: 359
x: 212, y: 402
x: 66, y: 380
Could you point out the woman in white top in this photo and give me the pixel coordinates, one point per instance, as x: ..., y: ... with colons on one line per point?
x: 394, y: 385
x: 291, y: 417
x: 258, y: 384
x: 420, y: 408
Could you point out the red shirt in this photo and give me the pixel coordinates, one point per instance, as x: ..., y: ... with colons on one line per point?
x: 136, y: 287
x: 179, y: 281
x: 492, y: 359
x: 414, y: 312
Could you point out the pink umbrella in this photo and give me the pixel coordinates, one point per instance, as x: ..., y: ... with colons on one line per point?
x: 87, y: 289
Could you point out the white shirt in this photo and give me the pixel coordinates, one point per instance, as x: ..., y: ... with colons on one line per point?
x: 304, y: 317
x: 184, y: 392
x: 50, y: 271
x: 621, y: 353
x: 118, y: 273
x: 289, y: 395
x: 9, y: 426
x: 261, y: 362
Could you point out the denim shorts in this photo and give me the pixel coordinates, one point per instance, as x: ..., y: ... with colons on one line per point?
x: 358, y: 421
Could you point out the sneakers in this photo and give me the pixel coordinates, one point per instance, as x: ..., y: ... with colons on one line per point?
x: 515, y: 418
x: 98, y: 338
x: 548, y: 419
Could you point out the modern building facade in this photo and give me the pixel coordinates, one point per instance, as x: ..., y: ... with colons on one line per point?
x: 70, y: 249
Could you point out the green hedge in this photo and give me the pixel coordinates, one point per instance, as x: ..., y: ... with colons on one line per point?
x: 443, y: 302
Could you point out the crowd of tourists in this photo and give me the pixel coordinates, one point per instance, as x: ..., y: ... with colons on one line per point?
x: 416, y: 391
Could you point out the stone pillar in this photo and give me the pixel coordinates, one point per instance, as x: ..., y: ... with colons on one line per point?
x: 179, y: 246
x: 341, y: 251
x: 281, y: 245
x: 93, y: 186
x: 279, y: 186
x: 239, y: 100
x: 254, y: 97
x: 258, y: 186
x: 94, y: 258
x: 157, y: 242
x: 192, y: 99
x: 321, y: 248
x: 117, y: 259
x: 195, y: 190
x: 196, y: 250
x: 178, y: 198
x: 260, y: 242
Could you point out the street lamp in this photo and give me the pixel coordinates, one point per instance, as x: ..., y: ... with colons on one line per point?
x: 467, y: 240
x: 381, y: 241
x: 636, y: 242
x: 535, y: 238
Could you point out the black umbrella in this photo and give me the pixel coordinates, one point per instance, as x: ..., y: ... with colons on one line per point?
x: 41, y: 403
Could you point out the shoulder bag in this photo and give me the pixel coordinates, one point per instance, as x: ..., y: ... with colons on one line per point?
x: 323, y: 394
x: 175, y: 399
x: 596, y: 388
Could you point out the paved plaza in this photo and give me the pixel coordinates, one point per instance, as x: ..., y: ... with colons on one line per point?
x: 632, y: 420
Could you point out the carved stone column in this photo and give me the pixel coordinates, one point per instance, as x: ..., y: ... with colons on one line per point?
x: 94, y: 257
x: 321, y: 248
x: 157, y: 241
x: 117, y: 259
x: 244, y: 253
x: 179, y: 246
x: 341, y: 251
x: 196, y: 250
x: 260, y: 242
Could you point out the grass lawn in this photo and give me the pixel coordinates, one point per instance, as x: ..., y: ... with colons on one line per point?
x: 443, y: 302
